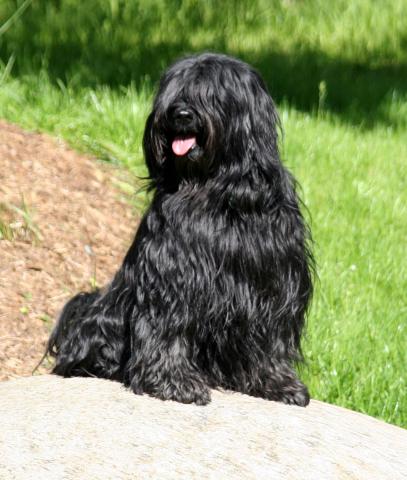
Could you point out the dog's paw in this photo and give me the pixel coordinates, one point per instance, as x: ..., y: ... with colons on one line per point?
x: 291, y: 392
x: 188, y: 391
x: 298, y: 396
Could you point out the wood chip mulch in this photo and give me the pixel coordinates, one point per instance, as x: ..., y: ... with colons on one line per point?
x: 64, y: 225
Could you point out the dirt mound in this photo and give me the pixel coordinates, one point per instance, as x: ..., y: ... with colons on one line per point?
x: 64, y: 226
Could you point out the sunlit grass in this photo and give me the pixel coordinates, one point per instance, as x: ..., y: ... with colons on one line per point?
x: 356, y: 49
x: 355, y: 186
x: 106, y: 123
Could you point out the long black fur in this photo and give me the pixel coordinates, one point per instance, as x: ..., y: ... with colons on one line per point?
x: 214, y: 290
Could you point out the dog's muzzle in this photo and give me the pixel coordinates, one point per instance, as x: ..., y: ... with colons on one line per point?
x: 184, y: 141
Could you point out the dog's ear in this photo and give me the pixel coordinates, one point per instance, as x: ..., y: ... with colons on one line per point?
x: 264, y: 119
x: 253, y: 124
x: 261, y: 127
x: 153, y: 149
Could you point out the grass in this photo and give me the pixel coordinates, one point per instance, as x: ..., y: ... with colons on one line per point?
x: 358, y: 49
x: 355, y: 187
x: 337, y: 70
x: 109, y: 123
x: 6, y: 231
x: 16, y: 222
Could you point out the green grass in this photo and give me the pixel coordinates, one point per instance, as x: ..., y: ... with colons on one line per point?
x: 357, y: 48
x: 108, y: 123
x: 356, y: 189
x: 16, y: 222
x: 85, y: 71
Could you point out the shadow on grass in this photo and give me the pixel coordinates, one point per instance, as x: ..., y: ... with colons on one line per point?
x: 311, y: 81
x: 91, y: 46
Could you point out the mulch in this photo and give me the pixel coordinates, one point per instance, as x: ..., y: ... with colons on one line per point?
x: 66, y: 225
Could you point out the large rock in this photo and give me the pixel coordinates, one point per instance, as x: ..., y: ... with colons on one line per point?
x: 57, y: 429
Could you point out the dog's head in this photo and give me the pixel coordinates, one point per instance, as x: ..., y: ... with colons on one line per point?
x: 211, y: 112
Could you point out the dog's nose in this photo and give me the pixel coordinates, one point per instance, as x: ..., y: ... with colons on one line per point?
x: 183, y: 115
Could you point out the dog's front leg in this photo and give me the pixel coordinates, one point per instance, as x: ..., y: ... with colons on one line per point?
x: 276, y: 380
x: 161, y: 366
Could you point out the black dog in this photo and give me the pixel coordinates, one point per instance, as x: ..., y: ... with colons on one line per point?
x: 214, y: 288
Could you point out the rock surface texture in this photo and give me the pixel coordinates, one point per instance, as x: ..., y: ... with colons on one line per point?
x: 59, y: 429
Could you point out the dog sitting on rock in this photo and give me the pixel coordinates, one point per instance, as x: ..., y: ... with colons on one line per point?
x: 214, y: 289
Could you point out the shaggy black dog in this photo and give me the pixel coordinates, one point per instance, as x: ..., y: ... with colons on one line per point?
x: 213, y: 291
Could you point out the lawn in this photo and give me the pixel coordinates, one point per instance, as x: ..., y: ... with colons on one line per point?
x: 85, y: 71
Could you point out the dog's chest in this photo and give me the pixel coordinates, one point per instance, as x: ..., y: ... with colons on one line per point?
x: 205, y: 236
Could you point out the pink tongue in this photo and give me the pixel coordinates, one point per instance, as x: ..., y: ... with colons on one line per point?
x: 181, y: 146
